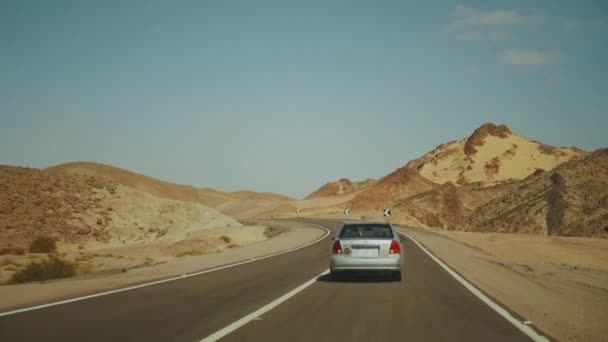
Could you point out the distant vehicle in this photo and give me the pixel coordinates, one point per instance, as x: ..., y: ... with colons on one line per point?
x: 366, y: 247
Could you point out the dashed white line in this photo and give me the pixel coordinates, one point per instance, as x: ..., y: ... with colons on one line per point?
x: 259, y: 312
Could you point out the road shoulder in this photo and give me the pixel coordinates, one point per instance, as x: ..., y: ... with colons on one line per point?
x: 566, y: 303
x: 295, y: 235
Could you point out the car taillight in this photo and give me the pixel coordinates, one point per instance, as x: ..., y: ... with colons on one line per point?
x: 336, y: 248
x: 395, y: 249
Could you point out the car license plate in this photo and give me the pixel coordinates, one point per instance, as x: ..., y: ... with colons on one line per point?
x: 365, y: 252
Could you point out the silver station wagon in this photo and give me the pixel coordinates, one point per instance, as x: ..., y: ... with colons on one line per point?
x: 366, y: 247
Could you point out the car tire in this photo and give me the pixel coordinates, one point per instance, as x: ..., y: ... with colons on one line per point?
x: 396, y: 276
x: 336, y: 276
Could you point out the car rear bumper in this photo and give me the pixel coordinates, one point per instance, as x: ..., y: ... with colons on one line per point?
x: 348, y: 263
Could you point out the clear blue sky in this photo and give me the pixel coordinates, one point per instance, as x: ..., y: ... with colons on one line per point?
x: 283, y: 96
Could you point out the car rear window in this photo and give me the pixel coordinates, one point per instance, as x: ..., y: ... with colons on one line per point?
x: 366, y: 231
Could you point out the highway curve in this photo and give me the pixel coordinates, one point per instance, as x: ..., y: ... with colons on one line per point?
x: 428, y: 305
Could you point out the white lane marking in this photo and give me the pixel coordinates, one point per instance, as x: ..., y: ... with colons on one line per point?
x: 37, y: 307
x: 531, y: 333
x: 259, y: 312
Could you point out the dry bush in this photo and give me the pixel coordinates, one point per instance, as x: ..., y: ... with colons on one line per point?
x: 12, y: 251
x: 192, y: 252
x: 43, y: 244
x: 148, y: 261
x: 53, y: 268
x: 270, y: 232
x: 226, y: 239
x: 85, y: 257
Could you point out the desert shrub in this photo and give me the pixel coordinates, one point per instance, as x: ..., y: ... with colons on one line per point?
x: 43, y: 244
x: 85, y: 257
x: 12, y: 251
x: 192, y: 252
x: 226, y: 239
x: 270, y: 232
x: 52, y: 268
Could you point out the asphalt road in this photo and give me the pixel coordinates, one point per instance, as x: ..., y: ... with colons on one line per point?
x: 427, y: 305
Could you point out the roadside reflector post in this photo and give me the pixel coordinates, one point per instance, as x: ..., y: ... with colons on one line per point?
x: 387, y: 214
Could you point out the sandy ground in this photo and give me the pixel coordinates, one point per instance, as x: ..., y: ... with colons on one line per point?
x: 560, y: 284
x: 295, y: 234
x: 103, y: 258
x: 131, y: 228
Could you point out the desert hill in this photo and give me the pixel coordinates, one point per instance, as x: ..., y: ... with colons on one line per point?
x: 439, y: 207
x: 79, y: 209
x: 253, y: 195
x: 144, y: 183
x: 448, y: 205
x: 492, y: 154
x: 38, y: 202
x: 494, y: 180
x: 571, y: 200
x: 401, y: 183
x: 339, y: 187
x: 235, y: 203
x: 101, y: 225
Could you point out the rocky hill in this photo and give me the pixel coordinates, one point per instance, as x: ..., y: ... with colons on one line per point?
x: 441, y: 207
x: 340, y: 187
x: 96, y: 224
x: 494, y: 180
x: 448, y: 205
x: 89, y: 210
x: 401, y: 183
x: 571, y: 200
x: 492, y: 154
